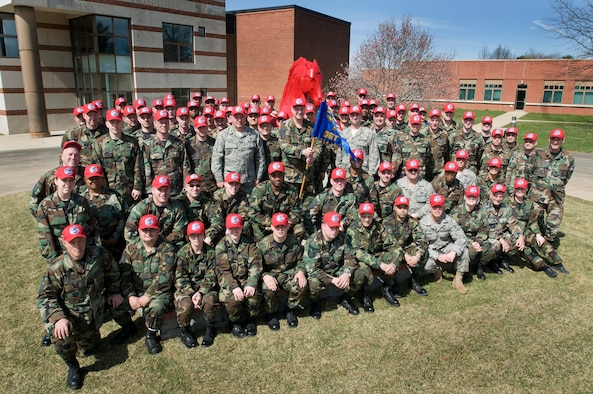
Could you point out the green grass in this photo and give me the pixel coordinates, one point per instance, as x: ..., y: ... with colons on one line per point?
x: 512, y: 333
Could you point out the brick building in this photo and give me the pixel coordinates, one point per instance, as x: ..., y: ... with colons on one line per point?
x: 59, y: 54
x: 263, y: 43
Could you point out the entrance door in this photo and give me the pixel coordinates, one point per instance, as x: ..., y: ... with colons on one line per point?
x: 521, y: 93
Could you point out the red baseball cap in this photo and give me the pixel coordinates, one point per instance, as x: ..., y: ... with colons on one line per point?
x: 200, y: 121
x: 344, y: 110
x: 390, y: 96
x: 219, y: 115
x: 487, y: 119
x: 362, y: 91
x: 148, y: 221
x: 193, y: 177
x: 448, y: 107
x: 161, y: 181
x: 158, y: 103
x: 434, y: 112
x: 161, y: 114
x: 332, y: 219
x: 234, y: 220
x: 139, y: 103
x: 498, y: 187
x: 557, y: 133
x: 461, y: 154
x: 73, y: 231
x: 193, y: 104
x: 332, y: 103
x: 355, y: 109
x: 232, y: 177
x: 379, y: 110
x: 468, y: 115
x: 182, y: 111
x: 472, y: 191
x: 414, y: 106
x: 415, y: 119
x: 495, y: 162
x: 280, y: 219
x: 530, y: 136
x: 196, y: 227
x: 71, y: 144
x: 113, y: 114
x: 255, y: 97
x: 281, y: 115
x: 120, y: 101
x: 309, y: 108
x: 330, y: 94
x: 451, y: 166
x: 275, y: 166
x: 400, y: 107
x: 366, y: 207
x: 437, y: 200
x: 270, y: 98
x: 208, y: 111
x: 391, y: 114
x: 78, y: 110
x: 90, y: 107
x: 358, y: 153
x: 413, y: 164
x: 129, y: 110
x: 338, y: 173
x: 497, y: 132
x: 299, y: 101
x: 237, y: 109
x: 145, y: 110
x: 521, y: 183
x: 385, y: 166
x: 264, y: 119
x: 93, y: 170
x: 98, y: 103
x: 65, y: 172
x: 225, y: 100
x: 512, y: 130
x: 401, y: 200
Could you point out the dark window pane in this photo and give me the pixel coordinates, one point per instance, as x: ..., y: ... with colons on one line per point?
x: 588, y: 98
x: 488, y: 95
x: 104, y: 25
x: 8, y: 26
x: 186, y: 54
x: 121, y: 27
x: 105, y: 44
x: 122, y: 46
x: 168, y: 33
x: 547, y: 96
x: 171, y: 53
x: 12, y: 48
x: 470, y: 94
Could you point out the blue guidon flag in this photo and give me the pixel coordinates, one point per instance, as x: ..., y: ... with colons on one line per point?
x: 326, y: 129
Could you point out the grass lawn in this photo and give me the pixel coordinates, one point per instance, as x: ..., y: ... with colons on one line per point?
x: 512, y: 333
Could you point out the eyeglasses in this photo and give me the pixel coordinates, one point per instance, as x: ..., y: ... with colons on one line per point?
x: 195, y: 185
x: 413, y: 171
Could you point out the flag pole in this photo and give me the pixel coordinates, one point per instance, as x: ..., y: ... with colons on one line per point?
x: 306, y: 169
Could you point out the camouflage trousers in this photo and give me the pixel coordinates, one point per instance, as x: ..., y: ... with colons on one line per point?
x: 490, y: 250
x: 540, y: 256
x: 236, y: 310
x: 184, y: 307
x: 357, y: 281
x: 551, y: 215
x: 461, y: 263
x: 285, y: 282
x: 156, y: 309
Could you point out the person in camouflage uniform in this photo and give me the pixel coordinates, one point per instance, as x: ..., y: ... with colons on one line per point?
x: 449, y: 124
x: 148, y: 277
x: 121, y: 159
x: 283, y: 268
x: 271, y: 196
x: 510, y: 142
x: 239, y: 270
x: 239, y: 149
x: 383, y: 191
x: 370, y: 245
x: 301, y: 159
x: 492, y: 177
x: 468, y: 139
x: 230, y: 199
x: 449, y: 186
x: 416, y: 189
x: 329, y: 261
x: 170, y: 213
x: 412, y: 144
x: 110, y: 208
x: 220, y: 121
x: 385, y: 135
x: 130, y: 119
x: 196, y: 285
x: 538, y: 251
x: 495, y: 149
x: 522, y: 162
x: 552, y: 171
x: 165, y: 155
x: 438, y: 138
x: 466, y: 176
x: 79, y: 290
x: 87, y: 134
x: 46, y: 185
x: 359, y: 181
x: 447, y: 245
x: 336, y: 198
x: 359, y: 137
x: 475, y: 226
x: 486, y: 131
x: 502, y: 227
x: 146, y: 131
x: 58, y: 210
x: 399, y: 124
x: 199, y: 151
x: 184, y: 129
x: 269, y: 141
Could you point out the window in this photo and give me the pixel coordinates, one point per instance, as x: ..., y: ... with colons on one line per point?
x: 467, y: 90
x: 178, y: 43
x: 583, y: 94
x: 553, y: 92
x: 102, y: 53
x: 201, y: 31
x: 8, y: 43
x: 492, y: 90
x: 181, y: 96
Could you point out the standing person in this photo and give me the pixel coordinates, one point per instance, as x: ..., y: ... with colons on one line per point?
x: 184, y: 129
x: 239, y: 271
x: 165, y: 155
x: 86, y: 134
x: 495, y: 148
x: 492, y: 177
x: 487, y: 129
x: 449, y: 186
x: 199, y: 151
x: 329, y: 261
x: 359, y: 137
x: 148, y: 278
x: 510, y: 139
x: 522, y: 161
x: 230, y: 199
x: 359, y: 181
x: 78, y: 288
x: 196, y: 285
x: 130, y: 119
x: 466, y: 176
x: 385, y: 135
x: 416, y: 189
x: 239, y: 149
x: 269, y: 141
x: 468, y: 139
x: 283, y: 269
x: 121, y: 159
x: 400, y: 119
x: 384, y: 191
x: 146, y: 121
x: 447, y: 247
x: 449, y: 124
x: 553, y: 169
x: 412, y: 144
x: 438, y: 139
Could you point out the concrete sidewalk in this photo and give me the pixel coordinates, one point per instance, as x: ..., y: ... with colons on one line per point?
x: 24, y: 142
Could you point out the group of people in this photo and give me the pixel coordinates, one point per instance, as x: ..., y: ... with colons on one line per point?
x: 162, y: 208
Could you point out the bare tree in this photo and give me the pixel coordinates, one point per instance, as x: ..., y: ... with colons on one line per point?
x: 499, y: 52
x: 573, y: 22
x: 533, y: 54
x: 398, y: 59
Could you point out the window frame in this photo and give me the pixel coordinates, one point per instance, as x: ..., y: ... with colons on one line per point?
x: 176, y: 46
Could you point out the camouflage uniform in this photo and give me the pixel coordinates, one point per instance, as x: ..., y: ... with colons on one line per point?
x: 142, y: 137
x: 419, y: 196
x: 292, y: 142
x: 263, y: 203
x: 383, y: 198
x: 183, y: 137
x: 444, y: 237
x: 472, y: 142
x: 485, y: 183
x: 282, y: 261
x: 405, y: 237
x: 172, y: 221
x: 237, y: 266
x: 453, y: 193
x: 195, y: 273
x: 86, y: 138
x: 385, y: 143
x: 467, y: 178
x: 409, y: 147
x: 200, y: 155
x: 475, y: 226
x: 54, y: 215
x: 165, y: 158
x: 551, y: 174
x: 502, y: 224
x: 151, y: 274
x: 521, y: 165
x: 503, y: 154
x: 364, y: 139
x: 122, y: 163
x: 77, y: 290
x: 360, y: 186
x: 324, y: 260
x: 46, y: 186
x: 203, y: 209
x: 440, y: 150
x: 325, y: 202
x: 239, y: 203
x: 241, y: 152
x: 272, y: 152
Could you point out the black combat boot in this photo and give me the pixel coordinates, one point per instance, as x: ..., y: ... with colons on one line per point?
x: 389, y: 297
x: 347, y: 303
x: 124, y: 333
x: 273, y: 322
x: 291, y: 319
x: 414, y: 285
x: 209, y: 335
x: 153, y: 344
x: 187, y: 338
x: 74, y: 378
x: 251, y: 328
x: 367, y: 303
x: 316, y: 310
x: 46, y: 340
